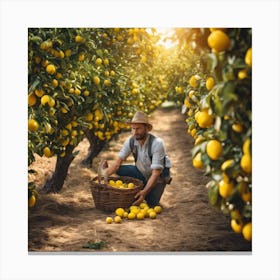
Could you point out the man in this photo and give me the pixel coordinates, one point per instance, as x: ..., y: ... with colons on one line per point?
x: 147, y: 168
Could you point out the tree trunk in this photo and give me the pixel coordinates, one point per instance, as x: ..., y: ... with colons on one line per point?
x: 96, y: 145
x: 56, y: 182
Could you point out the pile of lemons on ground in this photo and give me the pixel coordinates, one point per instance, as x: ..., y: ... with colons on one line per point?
x: 119, y: 184
x: 135, y: 213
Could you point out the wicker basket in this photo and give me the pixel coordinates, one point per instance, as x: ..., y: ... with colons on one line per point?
x: 108, y: 198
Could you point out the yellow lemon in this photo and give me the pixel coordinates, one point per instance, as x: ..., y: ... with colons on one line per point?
x: 96, y: 80
x: 98, y: 61
x: 109, y: 220
x: 248, y: 57
x: 143, y: 205
x: 130, y: 185
x: 197, y: 162
x: 226, y: 164
x: 204, y: 119
x: 210, y: 82
x: 247, y: 231
x: 47, y: 152
x: 152, y: 214
x: 225, y: 188
x: 242, y: 74
x: 31, y: 201
x: 193, y: 81
x: 107, y: 83
x: 119, y: 212
x: 118, y: 219
x: 236, y: 225
x: 219, y: 41
x: 214, y: 149
x: 131, y: 216
x: 79, y: 39
x: 32, y: 125
x: 246, y: 146
x: 246, y: 163
x: 140, y: 216
x: 45, y: 99
x: 50, y: 69
x: 32, y: 99
x: 158, y: 209
x: 135, y: 210
x: 237, y: 127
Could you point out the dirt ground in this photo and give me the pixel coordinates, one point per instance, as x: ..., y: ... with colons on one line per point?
x: 66, y: 221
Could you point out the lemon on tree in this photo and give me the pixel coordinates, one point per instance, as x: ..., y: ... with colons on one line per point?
x: 226, y: 188
x: 197, y: 162
x: 247, y: 231
x: 218, y: 41
x: 214, y: 149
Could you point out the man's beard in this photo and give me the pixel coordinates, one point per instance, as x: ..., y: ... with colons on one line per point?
x: 141, y: 137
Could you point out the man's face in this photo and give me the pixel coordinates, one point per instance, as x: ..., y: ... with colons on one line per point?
x: 139, y: 130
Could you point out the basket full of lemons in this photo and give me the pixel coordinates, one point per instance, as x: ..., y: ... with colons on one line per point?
x: 115, y: 192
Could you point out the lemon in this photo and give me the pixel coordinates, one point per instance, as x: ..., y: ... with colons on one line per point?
x: 226, y: 164
x: 193, y: 81
x: 130, y: 185
x: 152, y: 214
x: 143, y: 205
x: 210, y: 82
x: 107, y: 83
x: 106, y: 61
x: 204, y: 119
x: 45, y: 99
x: 51, y: 102
x: 112, y: 183
x: 32, y: 125
x: 140, y: 216
x: 247, y: 231
x: 118, y: 219
x: 219, y: 41
x: 131, y: 216
x: 47, y: 152
x: 31, y: 201
x: 119, y: 182
x: 79, y: 39
x: 119, y: 212
x: 50, y: 69
x: 246, y: 163
x: 96, y: 80
x: 197, y: 163
x: 246, y: 146
x: 236, y: 225
x: 135, y: 210
x: 158, y: 209
x: 214, y: 149
x: 98, y: 61
x: 125, y: 214
x: 237, y: 127
x: 225, y: 188
x: 242, y: 74
x: 109, y: 220
x: 248, y: 57
x: 32, y: 99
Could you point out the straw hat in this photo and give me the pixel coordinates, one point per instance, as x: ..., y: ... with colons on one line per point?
x: 141, y: 117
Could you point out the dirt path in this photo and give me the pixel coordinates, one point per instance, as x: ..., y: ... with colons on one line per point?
x: 68, y: 220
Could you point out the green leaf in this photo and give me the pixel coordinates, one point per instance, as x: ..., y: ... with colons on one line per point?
x: 213, y: 193
x: 34, y: 84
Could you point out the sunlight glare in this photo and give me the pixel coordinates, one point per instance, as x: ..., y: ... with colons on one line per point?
x: 166, y: 34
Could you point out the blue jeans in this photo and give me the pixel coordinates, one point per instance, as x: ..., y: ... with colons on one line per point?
x: 153, y: 197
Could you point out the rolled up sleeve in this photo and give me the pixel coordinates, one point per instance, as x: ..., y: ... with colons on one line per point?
x: 158, y: 155
x: 125, y: 150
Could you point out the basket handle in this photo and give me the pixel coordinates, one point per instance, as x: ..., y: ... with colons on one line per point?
x: 102, y: 171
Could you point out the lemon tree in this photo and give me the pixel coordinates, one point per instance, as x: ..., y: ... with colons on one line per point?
x: 217, y: 101
x: 86, y: 82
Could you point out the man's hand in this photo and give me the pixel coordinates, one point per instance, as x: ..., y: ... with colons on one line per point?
x: 141, y: 197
